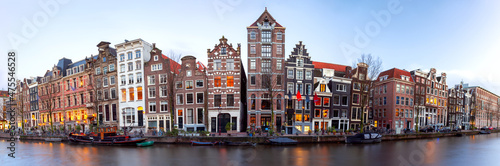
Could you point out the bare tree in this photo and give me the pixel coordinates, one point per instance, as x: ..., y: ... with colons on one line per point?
x: 374, y: 67
x: 270, y: 83
x: 172, y: 76
x: 49, y: 98
x: 20, y: 103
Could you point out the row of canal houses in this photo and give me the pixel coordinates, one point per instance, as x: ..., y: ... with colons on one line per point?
x: 135, y: 85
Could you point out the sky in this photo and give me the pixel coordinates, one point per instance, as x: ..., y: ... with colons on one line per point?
x: 458, y: 37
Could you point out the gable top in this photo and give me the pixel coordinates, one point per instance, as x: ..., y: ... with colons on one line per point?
x: 323, y: 65
x: 396, y: 74
x: 201, y: 67
x: 174, y: 66
x: 266, y: 16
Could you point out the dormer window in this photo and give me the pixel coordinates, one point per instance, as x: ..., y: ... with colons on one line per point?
x: 156, y: 57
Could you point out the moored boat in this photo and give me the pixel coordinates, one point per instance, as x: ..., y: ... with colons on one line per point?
x: 364, y: 138
x: 283, y: 141
x: 53, y: 139
x: 197, y: 143
x: 147, y: 143
x: 105, y: 136
x: 229, y: 143
x: 484, y: 132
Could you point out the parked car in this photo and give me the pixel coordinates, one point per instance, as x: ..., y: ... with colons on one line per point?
x: 427, y: 129
x: 457, y: 129
x: 445, y: 129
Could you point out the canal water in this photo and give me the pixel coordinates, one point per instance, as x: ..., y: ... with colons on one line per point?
x: 467, y: 150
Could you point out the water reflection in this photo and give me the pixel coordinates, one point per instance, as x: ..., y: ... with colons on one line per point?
x: 469, y: 150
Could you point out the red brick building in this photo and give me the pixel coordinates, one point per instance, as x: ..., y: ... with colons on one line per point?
x: 266, y: 43
x: 158, y: 113
x: 393, y: 100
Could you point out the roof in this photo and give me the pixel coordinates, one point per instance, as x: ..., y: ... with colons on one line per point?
x: 263, y: 15
x: 201, y: 66
x: 395, y: 73
x: 323, y: 65
x: 174, y: 65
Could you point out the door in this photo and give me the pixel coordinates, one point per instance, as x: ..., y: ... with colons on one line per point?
x: 222, y: 122
x: 316, y: 125
x: 278, y: 124
x: 181, y: 123
x: 139, y: 116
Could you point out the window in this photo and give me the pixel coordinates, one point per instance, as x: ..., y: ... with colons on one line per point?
x: 326, y: 101
x: 218, y: 65
x: 139, y: 77
x: 230, y: 81
x: 189, y: 98
x: 189, y: 84
x: 190, y: 116
x: 279, y: 36
x: 300, y: 75
x: 402, y: 101
x: 322, y: 88
x: 407, y: 101
x: 266, y: 36
x: 317, y: 113
x: 112, y: 80
x: 129, y: 55
x: 189, y: 73
x: 385, y: 100
x: 308, y: 75
x: 137, y: 54
x: 252, y: 63
x: 230, y: 64
x: 180, y: 99
x: 163, y: 79
x: 252, y: 49
x: 98, y: 71
x: 252, y: 80
x: 163, y: 106
x: 217, y: 99
x: 122, y: 68
x: 223, y: 51
x: 385, y: 89
x: 200, y: 115
x: 308, y: 89
x: 105, y: 70
x: 113, y: 110
x: 129, y: 115
x: 139, y: 93
x: 397, y: 88
x: 230, y: 100
x: 124, y: 95
x: 252, y: 35
x: 290, y: 88
x: 278, y: 64
x: 122, y: 57
x: 105, y: 82
x: 152, y: 92
x: 290, y: 73
x: 355, y: 98
x: 299, y: 88
x: 111, y: 67
x: 336, y: 99
x: 397, y: 100
x: 266, y: 66
x: 217, y: 82
x: 163, y: 91
x: 279, y: 49
x: 130, y: 78
x: 178, y: 84
x: 252, y: 102
x: 130, y: 66
x: 138, y: 65
x: 356, y: 86
x: 341, y: 88
x: 152, y: 107
x: 199, y: 98
x: 300, y: 62
x: 266, y: 51
x: 131, y: 94
x: 113, y: 94
x: 199, y: 83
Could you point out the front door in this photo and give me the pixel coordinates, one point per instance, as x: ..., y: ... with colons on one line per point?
x: 223, y: 120
x: 316, y: 125
x: 139, y: 116
x: 278, y: 124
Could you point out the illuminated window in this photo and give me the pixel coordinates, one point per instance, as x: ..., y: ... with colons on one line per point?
x: 298, y: 117
x: 325, y: 113
x: 230, y: 81
x: 179, y: 112
x: 217, y: 82
x: 326, y: 101
x: 189, y: 84
x: 131, y: 94
x: 322, y: 88
x: 124, y: 95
